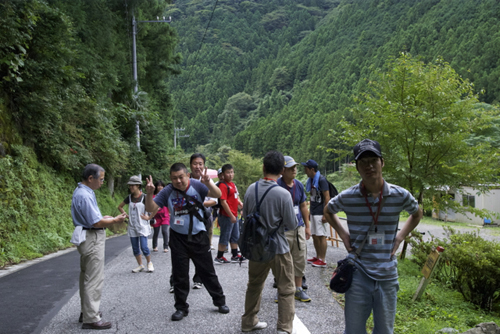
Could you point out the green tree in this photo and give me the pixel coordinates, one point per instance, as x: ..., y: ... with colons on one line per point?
x: 422, y: 115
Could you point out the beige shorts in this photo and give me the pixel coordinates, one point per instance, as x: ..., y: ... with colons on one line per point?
x: 318, y: 228
x: 297, y: 242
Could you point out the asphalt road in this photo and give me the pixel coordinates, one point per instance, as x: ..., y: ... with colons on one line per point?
x: 31, y: 297
x: 43, y: 297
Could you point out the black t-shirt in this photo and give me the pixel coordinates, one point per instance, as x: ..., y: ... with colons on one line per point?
x: 134, y: 199
x: 317, y: 204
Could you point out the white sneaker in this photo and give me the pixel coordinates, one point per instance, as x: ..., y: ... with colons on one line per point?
x: 171, y: 290
x: 138, y: 269
x: 259, y: 325
x: 197, y: 285
x: 151, y: 268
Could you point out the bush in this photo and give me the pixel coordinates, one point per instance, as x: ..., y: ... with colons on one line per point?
x: 469, y: 264
x: 35, y: 202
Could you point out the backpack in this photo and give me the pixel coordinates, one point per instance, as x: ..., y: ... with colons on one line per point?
x: 331, y: 189
x: 256, y: 242
x: 219, y: 205
x: 193, y: 205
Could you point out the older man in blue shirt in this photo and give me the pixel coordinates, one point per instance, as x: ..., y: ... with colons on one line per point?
x: 86, y: 214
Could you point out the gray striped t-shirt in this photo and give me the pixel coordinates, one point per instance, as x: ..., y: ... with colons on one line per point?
x: 374, y: 260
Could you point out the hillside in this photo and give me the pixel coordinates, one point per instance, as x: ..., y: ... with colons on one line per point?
x: 280, y: 74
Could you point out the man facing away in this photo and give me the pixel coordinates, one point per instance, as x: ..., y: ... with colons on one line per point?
x: 188, y: 237
x: 317, y: 185
x: 87, y: 216
x: 375, y: 282
x: 297, y: 237
x: 276, y: 211
x: 228, y: 217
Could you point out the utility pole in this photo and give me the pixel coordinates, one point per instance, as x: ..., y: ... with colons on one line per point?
x: 176, y: 131
x: 134, y: 65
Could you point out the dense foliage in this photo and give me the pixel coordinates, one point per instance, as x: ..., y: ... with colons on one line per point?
x: 469, y: 264
x: 35, y: 202
x: 66, y: 82
x: 296, y: 65
x: 423, y: 115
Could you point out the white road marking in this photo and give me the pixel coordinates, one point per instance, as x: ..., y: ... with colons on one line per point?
x: 299, y: 327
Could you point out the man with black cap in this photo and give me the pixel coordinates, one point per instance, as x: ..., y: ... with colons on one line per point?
x: 372, y: 208
x: 317, y: 185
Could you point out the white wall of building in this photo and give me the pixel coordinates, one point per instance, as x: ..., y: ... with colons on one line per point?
x: 489, y: 201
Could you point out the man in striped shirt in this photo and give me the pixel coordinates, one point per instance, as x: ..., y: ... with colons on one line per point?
x: 372, y: 208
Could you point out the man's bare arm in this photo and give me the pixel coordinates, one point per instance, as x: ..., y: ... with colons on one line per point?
x: 409, y: 226
x: 334, y: 221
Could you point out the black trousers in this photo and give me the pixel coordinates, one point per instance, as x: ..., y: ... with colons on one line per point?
x: 198, y: 250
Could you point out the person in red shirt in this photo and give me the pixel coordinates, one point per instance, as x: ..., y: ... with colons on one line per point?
x: 228, y: 217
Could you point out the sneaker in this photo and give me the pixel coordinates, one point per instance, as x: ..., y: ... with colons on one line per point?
x: 197, y: 285
x: 235, y: 259
x: 171, y: 289
x: 301, y: 295
x: 259, y: 325
x: 318, y: 263
x: 138, y: 269
x: 314, y: 259
x: 221, y: 260
x: 151, y: 268
x: 165, y: 250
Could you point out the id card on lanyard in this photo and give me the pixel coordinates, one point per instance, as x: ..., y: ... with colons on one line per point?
x: 375, y: 238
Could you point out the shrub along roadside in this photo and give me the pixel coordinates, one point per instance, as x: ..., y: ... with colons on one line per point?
x: 438, y: 308
x: 469, y: 264
x: 35, y: 201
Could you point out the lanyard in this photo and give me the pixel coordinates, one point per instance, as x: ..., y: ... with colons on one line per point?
x: 291, y: 190
x: 375, y: 217
x: 269, y: 179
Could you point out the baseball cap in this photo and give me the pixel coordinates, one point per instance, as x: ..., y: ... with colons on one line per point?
x: 310, y: 164
x: 219, y: 171
x: 290, y: 162
x: 367, y: 145
x: 134, y: 180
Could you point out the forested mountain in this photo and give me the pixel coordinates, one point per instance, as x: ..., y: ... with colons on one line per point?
x: 281, y: 73
x: 66, y: 82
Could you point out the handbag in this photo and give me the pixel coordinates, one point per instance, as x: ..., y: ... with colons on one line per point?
x: 342, y: 275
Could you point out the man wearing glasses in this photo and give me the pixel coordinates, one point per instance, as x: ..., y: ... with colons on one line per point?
x: 87, y: 217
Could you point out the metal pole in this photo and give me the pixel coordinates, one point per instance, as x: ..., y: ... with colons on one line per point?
x: 134, y: 65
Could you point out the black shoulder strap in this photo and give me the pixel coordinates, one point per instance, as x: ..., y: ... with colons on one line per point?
x: 257, y: 195
x: 227, y: 186
x: 192, y: 212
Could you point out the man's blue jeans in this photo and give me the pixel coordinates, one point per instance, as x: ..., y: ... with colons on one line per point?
x: 366, y: 295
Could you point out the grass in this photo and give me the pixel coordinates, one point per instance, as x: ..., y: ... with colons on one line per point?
x: 430, y: 221
x: 438, y: 308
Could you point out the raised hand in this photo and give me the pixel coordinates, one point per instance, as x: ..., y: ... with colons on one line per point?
x: 205, y: 178
x: 150, y: 187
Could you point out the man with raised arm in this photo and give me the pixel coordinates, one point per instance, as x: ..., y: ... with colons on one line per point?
x: 188, y: 238
x: 276, y: 212
x: 372, y: 208
x: 90, y: 230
